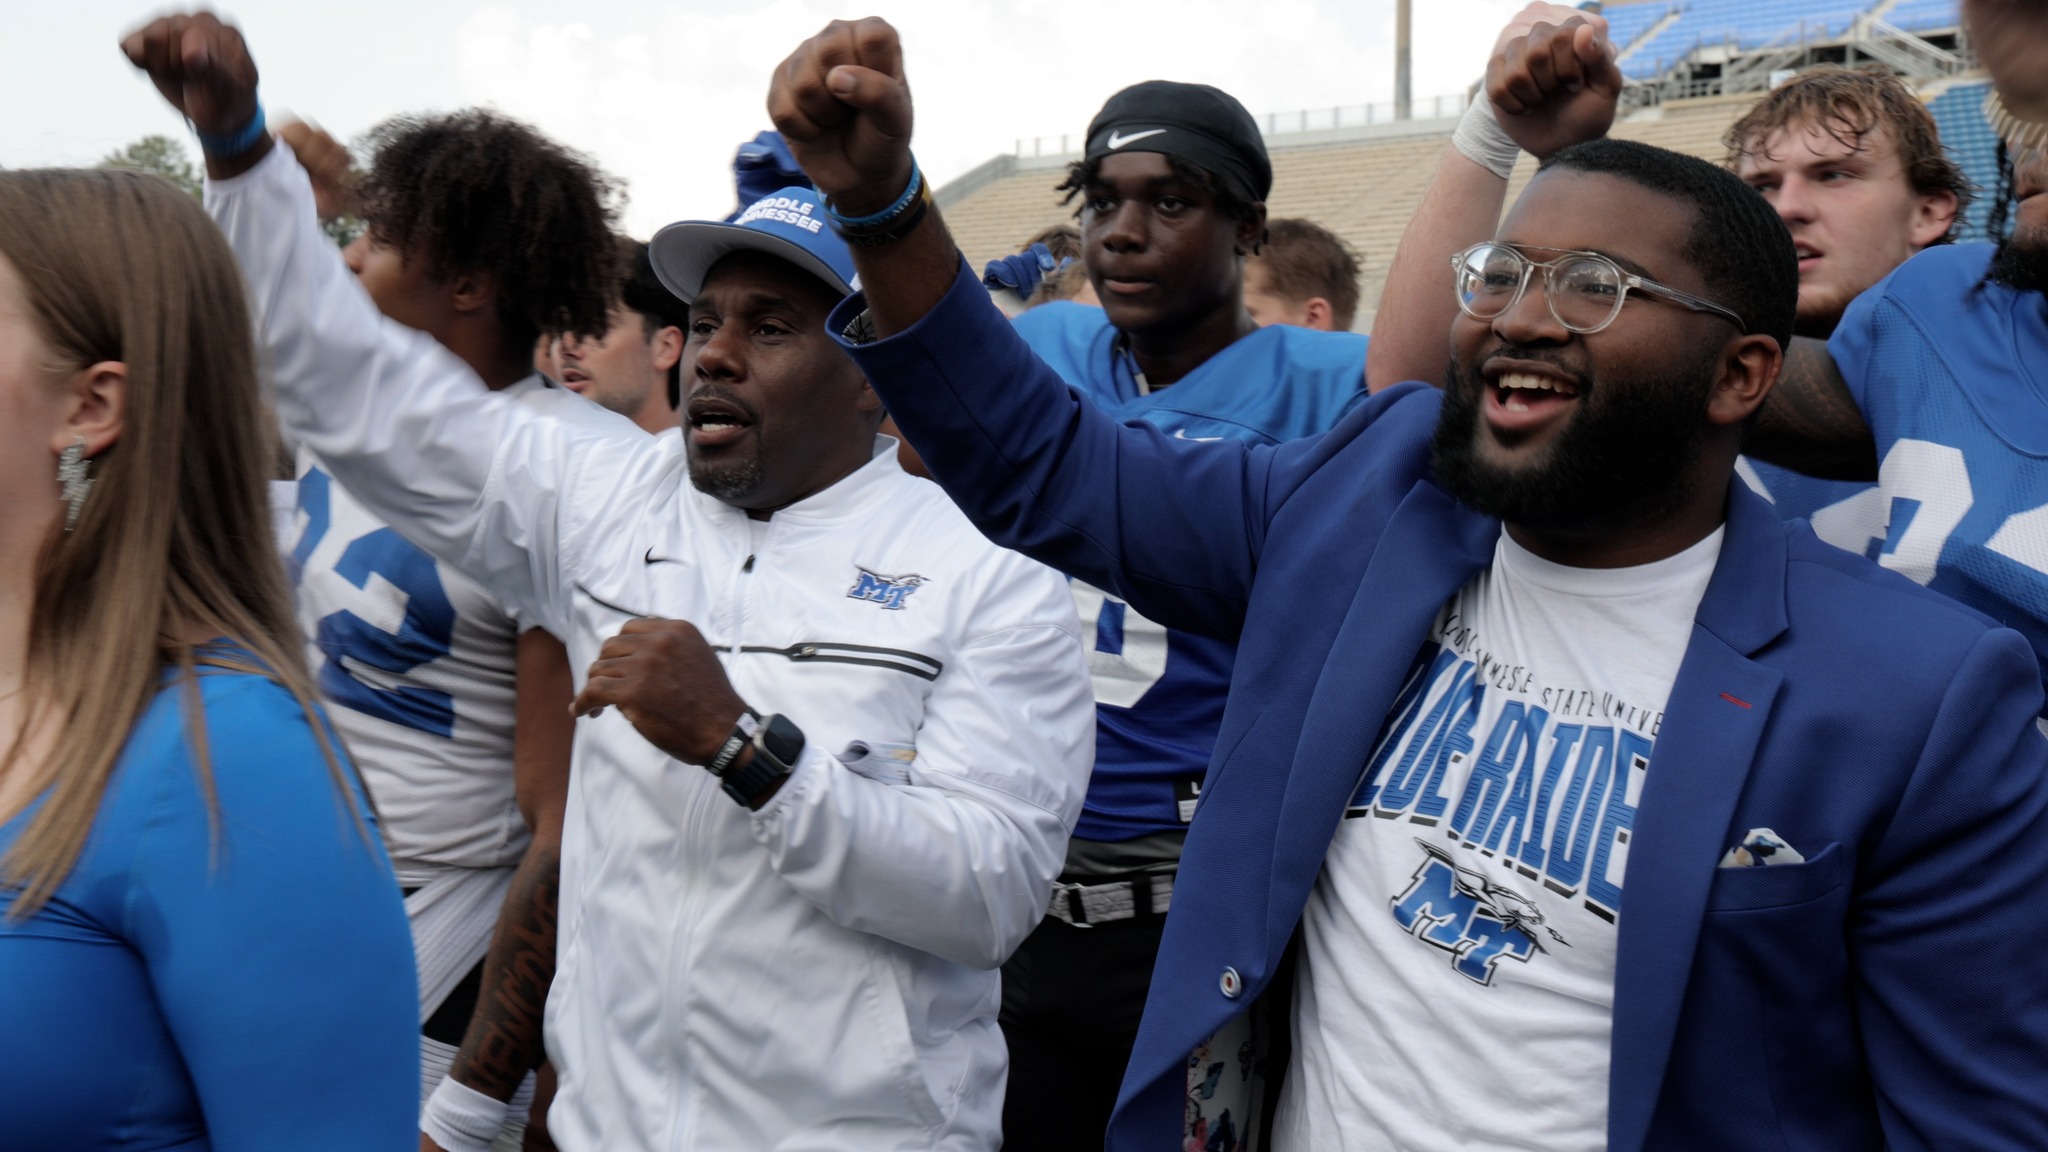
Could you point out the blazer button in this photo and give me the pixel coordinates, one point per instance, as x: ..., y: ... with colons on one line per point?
x: 1231, y: 983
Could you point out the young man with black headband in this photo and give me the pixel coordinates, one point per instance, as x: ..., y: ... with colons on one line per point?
x: 1172, y: 193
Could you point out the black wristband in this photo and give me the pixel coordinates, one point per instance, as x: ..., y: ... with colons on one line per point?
x: 777, y: 744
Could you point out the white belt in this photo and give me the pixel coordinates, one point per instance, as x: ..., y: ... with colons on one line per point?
x: 1086, y: 905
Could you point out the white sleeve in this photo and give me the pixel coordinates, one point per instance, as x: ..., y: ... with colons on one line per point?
x: 960, y: 861
x: 404, y: 425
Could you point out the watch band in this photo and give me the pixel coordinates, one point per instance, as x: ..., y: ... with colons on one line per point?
x: 777, y: 743
x: 742, y: 731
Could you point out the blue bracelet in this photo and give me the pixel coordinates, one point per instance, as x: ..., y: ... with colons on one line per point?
x: 235, y: 143
x: 885, y: 215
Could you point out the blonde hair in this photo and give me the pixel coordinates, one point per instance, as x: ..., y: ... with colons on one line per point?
x: 175, y: 539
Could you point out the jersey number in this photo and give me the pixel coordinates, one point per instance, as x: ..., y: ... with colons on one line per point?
x: 396, y: 571
x: 1128, y: 655
x: 1923, y: 493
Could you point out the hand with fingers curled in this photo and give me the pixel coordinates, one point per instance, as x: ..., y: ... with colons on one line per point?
x: 327, y: 164
x: 201, y: 65
x: 1552, y: 79
x: 664, y: 678
x: 843, y: 107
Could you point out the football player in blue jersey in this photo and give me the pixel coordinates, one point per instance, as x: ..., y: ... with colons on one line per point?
x: 482, y: 234
x: 1171, y: 192
x: 1936, y: 385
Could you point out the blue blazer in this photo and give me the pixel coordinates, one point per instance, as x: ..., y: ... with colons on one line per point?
x: 1884, y: 994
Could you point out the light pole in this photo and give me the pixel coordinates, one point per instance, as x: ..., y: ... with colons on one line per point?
x: 1402, y: 95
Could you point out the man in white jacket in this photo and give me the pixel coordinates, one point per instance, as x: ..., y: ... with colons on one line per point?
x: 900, y: 709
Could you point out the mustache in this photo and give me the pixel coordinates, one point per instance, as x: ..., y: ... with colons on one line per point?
x: 714, y: 392
x: 1572, y: 368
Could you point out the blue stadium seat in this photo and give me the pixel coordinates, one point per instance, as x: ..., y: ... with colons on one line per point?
x: 1754, y: 24
x: 1924, y: 15
x: 1959, y: 112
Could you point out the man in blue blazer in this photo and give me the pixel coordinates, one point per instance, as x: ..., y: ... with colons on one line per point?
x: 1467, y: 622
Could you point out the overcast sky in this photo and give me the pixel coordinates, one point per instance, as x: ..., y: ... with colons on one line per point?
x: 661, y: 92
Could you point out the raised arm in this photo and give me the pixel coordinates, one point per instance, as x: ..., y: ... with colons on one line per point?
x: 1550, y: 82
x: 1811, y: 423
x: 403, y: 423
x: 1171, y: 526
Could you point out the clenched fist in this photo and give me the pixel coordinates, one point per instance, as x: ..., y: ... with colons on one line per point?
x: 664, y: 678
x: 842, y: 106
x: 1552, y: 79
x: 201, y: 65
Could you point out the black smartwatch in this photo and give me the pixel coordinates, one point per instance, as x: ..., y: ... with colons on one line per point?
x: 777, y: 743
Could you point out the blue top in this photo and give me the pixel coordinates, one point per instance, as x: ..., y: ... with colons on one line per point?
x: 250, y: 992
x: 1159, y: 693
x: 1953, y: 380
x: 1883, y: 994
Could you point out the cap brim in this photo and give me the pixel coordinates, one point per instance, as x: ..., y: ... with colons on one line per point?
x: 683, y: 254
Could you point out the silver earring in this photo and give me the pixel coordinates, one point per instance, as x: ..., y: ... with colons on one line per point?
x: 74, y: 473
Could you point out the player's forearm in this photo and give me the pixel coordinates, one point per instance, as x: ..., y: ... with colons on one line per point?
x: 1810, y: 423
x: 908, y: 277
x: 503, y: 1042
x: 1411, y: 332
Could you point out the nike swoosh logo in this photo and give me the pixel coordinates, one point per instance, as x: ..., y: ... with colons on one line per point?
x: 653, y: 559
x: 1182, y: 434
x: 1116, y: 141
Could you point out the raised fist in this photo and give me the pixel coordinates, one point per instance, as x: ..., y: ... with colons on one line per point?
x: 201, y: 65
x: 842, y: 106
x: 1552, y: 79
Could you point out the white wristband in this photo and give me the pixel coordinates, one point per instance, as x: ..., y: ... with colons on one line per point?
x: 462, y: 1119
x: 1483, y: 141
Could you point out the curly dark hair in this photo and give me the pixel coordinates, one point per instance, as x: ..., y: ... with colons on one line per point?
x: 476, y: 192
x: 1229, y: 200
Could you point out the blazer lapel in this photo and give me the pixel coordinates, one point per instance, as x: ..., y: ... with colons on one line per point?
x: 1719, y: 708
x: 1430, y: 548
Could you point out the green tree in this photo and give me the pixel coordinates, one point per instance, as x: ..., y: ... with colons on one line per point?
x: 160, y: 155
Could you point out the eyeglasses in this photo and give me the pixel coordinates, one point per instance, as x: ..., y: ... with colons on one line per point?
x: 1585, y: 290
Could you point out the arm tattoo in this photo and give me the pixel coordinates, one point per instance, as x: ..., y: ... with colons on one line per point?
x: 503, y: 1042
x: 1811, y: 423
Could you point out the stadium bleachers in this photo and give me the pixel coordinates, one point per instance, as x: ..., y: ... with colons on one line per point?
x: 1367, y: 187
x: 1924, y: 15
x: 1971, y: 143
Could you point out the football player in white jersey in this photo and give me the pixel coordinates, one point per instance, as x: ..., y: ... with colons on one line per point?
x: 482, y: 234
x: 836, y: 739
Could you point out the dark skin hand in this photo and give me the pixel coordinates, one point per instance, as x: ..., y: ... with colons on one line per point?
x: 843, y: 106
x: 664, y: 678
x: 203, y: 68
x: 1811, y: 423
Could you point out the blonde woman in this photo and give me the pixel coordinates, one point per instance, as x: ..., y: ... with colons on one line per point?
x: 201, y: 943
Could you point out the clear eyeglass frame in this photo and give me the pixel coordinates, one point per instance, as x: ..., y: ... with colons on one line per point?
x: 1597, y: 271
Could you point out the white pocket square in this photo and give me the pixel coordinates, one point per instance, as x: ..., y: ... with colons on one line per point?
x: 1761, y: 846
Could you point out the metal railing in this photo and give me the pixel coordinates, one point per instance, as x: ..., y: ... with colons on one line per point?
x: 1294, y: 123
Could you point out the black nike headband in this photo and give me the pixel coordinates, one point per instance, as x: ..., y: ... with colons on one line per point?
x: 1205, y: 126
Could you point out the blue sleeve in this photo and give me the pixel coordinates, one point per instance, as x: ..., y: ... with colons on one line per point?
x: 1173, y: 527
x: 1953, y: 1017
x: 278, y: 950
x: 1853, y: 339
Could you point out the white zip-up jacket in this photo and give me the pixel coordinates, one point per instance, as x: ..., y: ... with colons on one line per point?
x: 820, y: 974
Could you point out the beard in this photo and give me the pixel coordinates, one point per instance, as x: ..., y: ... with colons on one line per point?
x: 728, y: 481
x: 2021, y: 262
x: 1625, y: 457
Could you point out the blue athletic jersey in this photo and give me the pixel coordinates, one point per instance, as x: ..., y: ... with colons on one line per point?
x: 1953, y: 379
x: 1159, y: 694
x: 1796, y: 495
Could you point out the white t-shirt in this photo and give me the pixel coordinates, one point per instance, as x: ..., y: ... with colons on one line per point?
x: 1456, y: 988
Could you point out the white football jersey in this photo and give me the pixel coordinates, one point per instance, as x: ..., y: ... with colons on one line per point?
x: 415, y: 662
